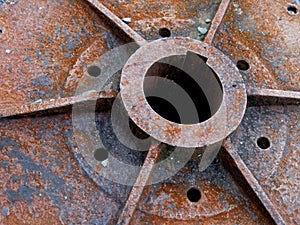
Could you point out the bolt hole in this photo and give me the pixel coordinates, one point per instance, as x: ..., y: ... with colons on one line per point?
x: 100, y: 154
x: 193, y: 194
x: 292, y: 10
x: 263, y: 142
x: 242, y: 65
x: 234, y: 85
x: 94, y: 71
x: 164, y: 32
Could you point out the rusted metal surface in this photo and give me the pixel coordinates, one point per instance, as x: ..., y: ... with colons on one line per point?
x: 137, y: 189
x: 237, y: 164
x: 41, y: 182
x: 181, y: 17
x: 217, y: 21
x: 272, y: 97
x: 45, y: 50
x: 276, y: 168
x: 269, y: 93
x: 265, y: 35
x: 221, y: 202
x: 269, y: 46
x: 118, y: 22
x: 57, y: 104
x: 40, y: 43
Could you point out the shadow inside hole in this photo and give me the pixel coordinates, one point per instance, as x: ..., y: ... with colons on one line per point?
x: 242, y: 65
x: 263, y: 143
x: 206, y: 104
x: 194, y: 194
x: 164, y: 32
x: 164, y: 108
x: 292, y: 10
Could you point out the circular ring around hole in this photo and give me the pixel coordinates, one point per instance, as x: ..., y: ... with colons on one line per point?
x: 193, y: 194
x: 292, y: 10
x: 100, y: 154
x: 263, y: 142
x: 164, y: 32
x: 242, y: 65
x: 94, y: 71
x: 136, y: 103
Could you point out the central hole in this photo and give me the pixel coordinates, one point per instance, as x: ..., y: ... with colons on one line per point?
x: 183, y: 89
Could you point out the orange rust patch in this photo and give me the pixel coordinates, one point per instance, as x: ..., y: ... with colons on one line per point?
x: 172, y: 131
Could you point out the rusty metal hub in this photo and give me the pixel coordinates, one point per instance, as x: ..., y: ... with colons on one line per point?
x: 225, y: 92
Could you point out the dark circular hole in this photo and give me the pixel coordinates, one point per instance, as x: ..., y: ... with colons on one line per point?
x: 263, y: 142
x: 100, y: 154
x: 94, y: 71
x: 164, y: 32
x: 1, y: 31
x: 292, y: 10
x: 194, y: 195
x: 242, y: 65
x: 138, y: 132
x: 202, y: 103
